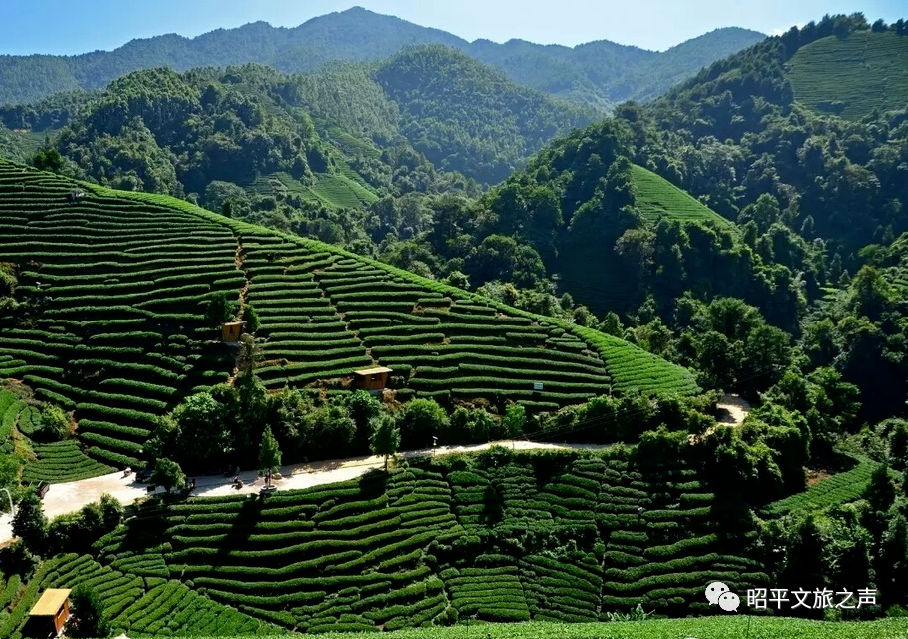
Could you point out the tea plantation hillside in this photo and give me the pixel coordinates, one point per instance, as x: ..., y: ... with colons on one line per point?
x: 500, y: 536
x: 59, y: 461
x: 113, y: 290
x: 604, y: 280
x: 658, y: 198
x: 854, y: 75
x: 146, y: 604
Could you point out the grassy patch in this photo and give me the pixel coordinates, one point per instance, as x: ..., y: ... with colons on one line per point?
x: 657, y: 197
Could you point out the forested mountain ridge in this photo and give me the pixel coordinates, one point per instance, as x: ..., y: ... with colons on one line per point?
x: 818, y: 201
x: 599, y: 73
x: 738, y: 130
x: 237, y: 125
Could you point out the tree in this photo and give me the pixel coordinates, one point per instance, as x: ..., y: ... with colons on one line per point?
x: 328, y: 431
x: 218, y: 310
x: 880, y: 492
x: 422, y: 418
x: 251, y: 317
x: 894, y: 561
x: 30, y: 523
x: 458, y: 279
x: 898, y: 446
x: 167, y: 473
x: 269, y: 452
x: 111, y: 512
x: 202, y: 435
x: 48, y: 159
x: 385, y: 437
x: 501, y: 257
x: 87, y: 618
x: 515, y: 417
x: 250, y: 353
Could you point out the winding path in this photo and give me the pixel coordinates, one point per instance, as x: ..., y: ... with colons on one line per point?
x: 69, y: 497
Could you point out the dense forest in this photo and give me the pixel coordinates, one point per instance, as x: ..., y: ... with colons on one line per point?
x: 426, y: 102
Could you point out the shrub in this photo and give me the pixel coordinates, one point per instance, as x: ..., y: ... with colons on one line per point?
x: 87, y: 616
x: 54, y: 424
x: 421, y: 420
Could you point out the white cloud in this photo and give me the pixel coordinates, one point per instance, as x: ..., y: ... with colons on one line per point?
x: 778, y: 32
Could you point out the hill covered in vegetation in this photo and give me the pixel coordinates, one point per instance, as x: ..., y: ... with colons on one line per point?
x: 853, y: 75
x: 599, y: 73
x: 372, y: 125
x: 108, y: 315
x: 747, y: 126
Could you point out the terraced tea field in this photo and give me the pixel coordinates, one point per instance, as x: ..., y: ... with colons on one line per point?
x: 852, y: 76
x: 135, y: 604
x: 118, y: 284
x: 838, y: 489
x: 342, y: 192
x: 57, y: 462
x: 346, y: 190
x: 437, y: 542
x: 749, y: 627
x: 658, y: 197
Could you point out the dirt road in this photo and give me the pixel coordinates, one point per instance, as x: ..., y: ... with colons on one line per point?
x: 69, y: 497
x: 732, y: 409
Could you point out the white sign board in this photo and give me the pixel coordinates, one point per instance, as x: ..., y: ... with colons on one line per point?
x: 537, y: 386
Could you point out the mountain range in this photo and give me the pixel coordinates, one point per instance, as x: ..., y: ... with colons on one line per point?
x: 711, y: 283
x: 601, y: 73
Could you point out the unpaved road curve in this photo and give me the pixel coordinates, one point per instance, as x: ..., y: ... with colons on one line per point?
x: 70, y: 497
x: 732, y: 409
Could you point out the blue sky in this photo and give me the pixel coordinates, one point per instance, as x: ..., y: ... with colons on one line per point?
x: 67, y: 27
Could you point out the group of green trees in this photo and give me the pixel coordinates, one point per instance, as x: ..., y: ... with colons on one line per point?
x: 863, y: 544
x: 244, y: 426
x: 77, y: 532
x: 67, y: 533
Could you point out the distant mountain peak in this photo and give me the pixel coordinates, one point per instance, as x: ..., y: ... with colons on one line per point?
x: 597, y: 73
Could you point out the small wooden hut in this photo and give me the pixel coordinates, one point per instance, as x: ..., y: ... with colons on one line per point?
x: 231, y: 331
x: 51, y: 612
x: 371, y: 379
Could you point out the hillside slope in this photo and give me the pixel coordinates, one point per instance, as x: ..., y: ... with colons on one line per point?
x: 599, y: 72
x: 131, y: 601
x: 382, y: 121
x: 615, y: 232
x: 852, y: 75
x: 112, y: 298
x: 469, y: 118
x: 658, y: 198
x: 498, y: 536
